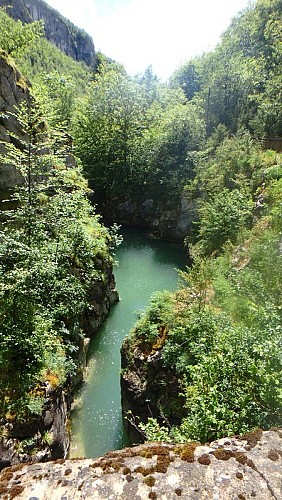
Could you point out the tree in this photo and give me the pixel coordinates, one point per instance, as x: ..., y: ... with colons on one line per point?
x: 16, y: 37
x: 106, y: 125
x: 48, y: 249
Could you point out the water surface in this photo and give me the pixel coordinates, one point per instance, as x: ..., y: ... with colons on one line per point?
x: 145, y: 265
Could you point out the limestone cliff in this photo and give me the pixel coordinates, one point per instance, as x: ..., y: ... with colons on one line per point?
x: 234, y: 468
x: 75, y: 42
x: 142, y: 389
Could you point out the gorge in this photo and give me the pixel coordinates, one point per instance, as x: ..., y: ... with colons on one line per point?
x: 144, y: 265
x: 184, y: 161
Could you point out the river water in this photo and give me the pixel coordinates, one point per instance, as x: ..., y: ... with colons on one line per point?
x: 145, y: 265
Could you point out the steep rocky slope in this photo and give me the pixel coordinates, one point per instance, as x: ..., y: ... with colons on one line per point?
x: 75, y: 42
x: 233, y: 468
x: 26, y: 440
x: 13, y: 90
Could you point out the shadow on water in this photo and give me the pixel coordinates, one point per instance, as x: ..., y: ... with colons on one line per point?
x: 145, y: 265
x: 166, y: 252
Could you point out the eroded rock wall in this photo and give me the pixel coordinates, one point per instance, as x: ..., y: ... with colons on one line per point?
x: 165, y: 220
x: 142, y: 390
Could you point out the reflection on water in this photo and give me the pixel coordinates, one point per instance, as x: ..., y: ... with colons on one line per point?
x: 145, y: 265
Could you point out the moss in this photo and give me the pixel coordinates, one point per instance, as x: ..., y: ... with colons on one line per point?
x: 186, y: 452
x: 241, y: 457
x: 251, y: 464
x: 159, y: 450
x: 162, y: 464
x: 109, y: 465
x: 273, y: 455
x: 16, y: 490
x: 152, y: 495
x: 144, y: 470
x: 222, y: 454
x: 126, y: 470
x: 163, y: 461
x: 3, y: 487
x: 252, y: 437
x: 6, y: 476
x: 150, y: 481
x: 204, y: 459
x: 16, y: 467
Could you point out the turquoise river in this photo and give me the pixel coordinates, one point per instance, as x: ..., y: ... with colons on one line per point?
x: 145, y: 265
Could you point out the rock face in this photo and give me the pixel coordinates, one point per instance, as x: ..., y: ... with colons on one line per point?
x: 73, y: 41
x: 234, y: 468
x: 142, y: 389
x: 13, y: 90
x: 166, y: 221
x: 26, y: 440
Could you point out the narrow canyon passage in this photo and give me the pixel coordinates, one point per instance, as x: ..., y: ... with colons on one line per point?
x: 145, y: 265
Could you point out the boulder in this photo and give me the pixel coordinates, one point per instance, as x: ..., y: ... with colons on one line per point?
x: 228, y: 469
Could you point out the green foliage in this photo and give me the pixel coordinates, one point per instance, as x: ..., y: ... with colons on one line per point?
x: 46, y: 59
x: 105, y: 126
x: 134, y: 136
x: 48, y: 248
x: 223, y: 338
x: 239, y: 83
x: 155, y: 432
x: 16, y: 37
x: 158, y: 315
x: 222, y: 219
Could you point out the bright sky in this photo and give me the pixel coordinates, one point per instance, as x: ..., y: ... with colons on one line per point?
x: 163, y: 33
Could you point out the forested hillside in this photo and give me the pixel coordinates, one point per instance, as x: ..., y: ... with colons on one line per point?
x: 186, y: 159
x: 56, y: 281
x: 206, y: 361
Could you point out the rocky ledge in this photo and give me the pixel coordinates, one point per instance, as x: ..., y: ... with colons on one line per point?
x: 232, y: 468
